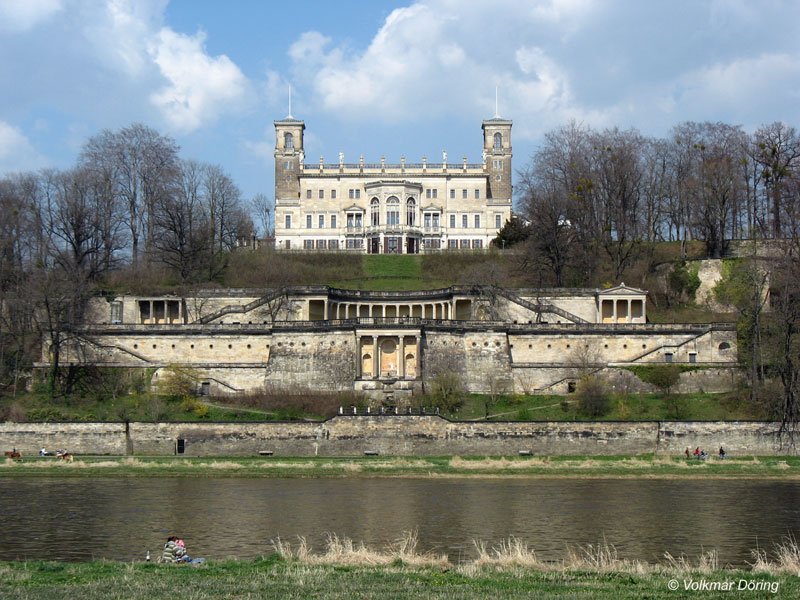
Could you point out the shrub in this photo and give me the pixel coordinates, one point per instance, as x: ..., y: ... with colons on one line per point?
x: 664, y: 377
x: 592, y: 396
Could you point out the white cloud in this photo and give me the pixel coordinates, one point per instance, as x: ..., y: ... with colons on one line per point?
x: 200, y: 86
x: 16, y: 151
x: 23, y: 15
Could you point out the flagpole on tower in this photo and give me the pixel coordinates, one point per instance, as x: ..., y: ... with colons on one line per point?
x: 496, y: 105
x: 289, y: 116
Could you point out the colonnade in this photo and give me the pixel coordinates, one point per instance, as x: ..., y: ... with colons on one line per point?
x: 622, y: 310
x: 356, y: 310
x: 388, y: 356
x: 155, y: 312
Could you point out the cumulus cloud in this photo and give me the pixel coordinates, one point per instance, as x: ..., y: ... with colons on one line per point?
x: 199, y: 86
x: 603, y: 63
x: 23, y: 15
x: 16, y: 151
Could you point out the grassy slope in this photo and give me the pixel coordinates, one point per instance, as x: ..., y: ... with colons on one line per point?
x: 580, y: 467
x: 273, y: 578
x: 145, y: 408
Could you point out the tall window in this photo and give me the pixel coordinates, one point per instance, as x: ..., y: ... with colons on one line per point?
x: 498, y: 141
x: 452, y: 193
x: 464, y: 194
x: 333, y: 194
x: 375, y: 212
x: 308, y: 194
x: 288, y: 222
x: 308, y: 221
x: 288, y: 141
x: 322, y: 194
x: 393, y: 211
x: 498, y: 222
x: 477, y: 194
x: 411, y: 212
x: 333, y: 221
x: 322, y: 221
x: 452, y: 221
x: 464, y: 221
x: 477, y: 221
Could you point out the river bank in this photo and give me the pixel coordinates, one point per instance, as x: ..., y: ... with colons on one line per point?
x: 622, y: 467
x: 515, y: 575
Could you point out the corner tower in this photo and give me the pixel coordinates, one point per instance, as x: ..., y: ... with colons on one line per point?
x: 289, y: 156
x: 497, y: 153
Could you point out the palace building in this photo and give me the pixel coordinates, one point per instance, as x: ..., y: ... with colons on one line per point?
x: 381, y: 208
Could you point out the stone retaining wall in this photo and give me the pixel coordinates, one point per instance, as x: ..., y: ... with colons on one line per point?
x: 392, y: 435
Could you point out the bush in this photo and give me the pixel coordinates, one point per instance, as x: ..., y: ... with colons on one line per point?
x: 664, y: 377
x: 592, y: 396
x: 447, y: 391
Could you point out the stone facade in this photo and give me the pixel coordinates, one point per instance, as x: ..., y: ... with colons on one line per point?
x: 385, y: 208
x: 393, y: 436
x: 389, y: 344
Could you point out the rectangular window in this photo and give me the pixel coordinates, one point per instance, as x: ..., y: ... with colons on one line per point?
x: 435, y: 193
x: 322, y: 194
x: 351, y: 193
x: 464, y: 194
x: 435, y: 219
x: 497, y: 164
x: 498, y: 222
x: 464, y: 221
x: 477, y: 221
x: 477, y: 194
x: 333, y: 194
x: 477, y: 244
x: 428, y: 193
x: 308, y: 244
x: 308, y: 194
x: 465, y: 244
x: 288, y: 222
x: 308, y: 221
x: 333, y: 221
x: 333, y: 244
x: 452, y: 244
x: 116, y: 312
x: 692, y: 357
x: 321, y: 244
x: 322, y: 221
x: 452, y: 193
x: 452, y: 221
x: 668, y: 357
x: 288, y: 165
x: 358, y: 194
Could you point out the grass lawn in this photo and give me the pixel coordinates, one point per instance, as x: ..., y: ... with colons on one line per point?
x: 272, y: 577
x: 580, y: 467
x: 643, y: 407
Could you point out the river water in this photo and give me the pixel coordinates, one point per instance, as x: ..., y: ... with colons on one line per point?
x: 121, y: 519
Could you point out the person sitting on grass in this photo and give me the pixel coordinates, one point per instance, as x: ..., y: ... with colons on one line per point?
x: 173, y: 553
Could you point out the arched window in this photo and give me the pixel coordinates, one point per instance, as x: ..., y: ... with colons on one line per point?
x: 375, y: 212
x: 498, y: 141
x: 288, y: 141
x: 411, y: 212
x: 724, y: 346
x: 393, y: 210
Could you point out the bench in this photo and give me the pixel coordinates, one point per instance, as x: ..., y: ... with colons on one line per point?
x: 265, y: 452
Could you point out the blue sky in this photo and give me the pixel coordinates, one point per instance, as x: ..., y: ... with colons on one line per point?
x: 379, y: 77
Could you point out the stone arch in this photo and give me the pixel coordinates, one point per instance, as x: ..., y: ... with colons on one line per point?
x: 288, y: 141
x: 410, y: 366
x: 388, y: 357
x: 366, y: 364
x: 498, y: 141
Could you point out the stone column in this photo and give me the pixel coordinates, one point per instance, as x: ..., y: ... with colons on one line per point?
x: 630, y: 316
x: 376, y: 363
x: 152, y: 313
x: 614, y: 313
x: 401, y: 360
